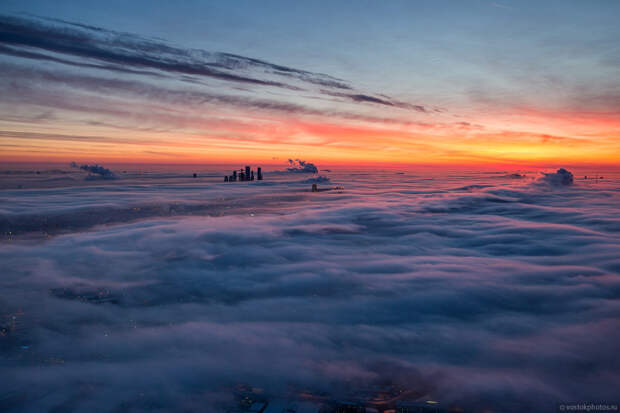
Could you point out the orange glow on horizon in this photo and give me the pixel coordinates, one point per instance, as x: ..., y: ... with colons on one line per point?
x: 525, y: 137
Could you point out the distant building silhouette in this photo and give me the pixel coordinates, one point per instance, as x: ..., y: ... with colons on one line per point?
x: 245, y: 174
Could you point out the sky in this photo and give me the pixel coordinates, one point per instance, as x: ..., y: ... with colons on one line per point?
x: 468, y: 82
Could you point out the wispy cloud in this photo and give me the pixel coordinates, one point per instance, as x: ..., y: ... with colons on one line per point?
x: 123, y: 51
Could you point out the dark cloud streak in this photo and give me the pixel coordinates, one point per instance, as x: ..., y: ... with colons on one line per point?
x: 130, y: 50
x: 385, y: 100
x: 26, y: 92
x: 86, y: 46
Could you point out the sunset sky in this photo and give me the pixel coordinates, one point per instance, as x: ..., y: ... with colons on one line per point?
x: 467, y: 82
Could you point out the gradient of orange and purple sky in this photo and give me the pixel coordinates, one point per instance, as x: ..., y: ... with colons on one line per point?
x: 462, y: 82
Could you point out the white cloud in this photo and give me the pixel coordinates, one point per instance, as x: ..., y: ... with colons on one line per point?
x: 494, y: 296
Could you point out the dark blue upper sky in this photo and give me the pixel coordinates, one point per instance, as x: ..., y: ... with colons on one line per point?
x: 400, y: 46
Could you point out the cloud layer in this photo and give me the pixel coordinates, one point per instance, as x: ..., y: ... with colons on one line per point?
x: 484, y: 291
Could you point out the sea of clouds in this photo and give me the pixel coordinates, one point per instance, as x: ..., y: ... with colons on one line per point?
x: 481, y: 291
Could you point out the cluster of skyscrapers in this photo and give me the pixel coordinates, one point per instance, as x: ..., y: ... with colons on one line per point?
x: 246, y: 174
